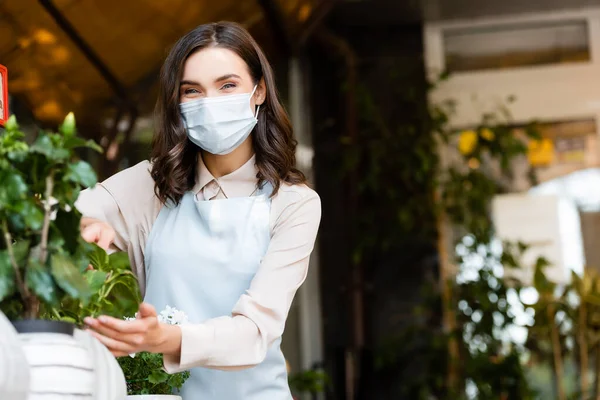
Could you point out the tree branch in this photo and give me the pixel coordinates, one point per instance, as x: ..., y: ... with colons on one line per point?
x: 9, y: 248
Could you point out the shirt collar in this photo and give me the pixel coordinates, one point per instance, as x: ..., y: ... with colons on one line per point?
x: 240, y: 183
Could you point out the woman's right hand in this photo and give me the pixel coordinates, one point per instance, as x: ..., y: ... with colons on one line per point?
x: 98, y: 232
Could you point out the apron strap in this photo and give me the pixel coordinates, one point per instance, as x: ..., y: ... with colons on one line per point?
x: 266, y: 189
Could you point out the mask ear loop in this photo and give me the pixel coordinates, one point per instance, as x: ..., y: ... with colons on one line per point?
x: 257, y: 107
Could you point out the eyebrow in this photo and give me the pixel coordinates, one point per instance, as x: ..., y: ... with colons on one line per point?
x: 227, y: 76
x: 222, y: 78
x: 191, y: 83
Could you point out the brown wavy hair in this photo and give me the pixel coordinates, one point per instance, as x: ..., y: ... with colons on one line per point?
x: 174, y: 157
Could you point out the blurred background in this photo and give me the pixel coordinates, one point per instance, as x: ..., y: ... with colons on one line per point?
x: 454, y: 144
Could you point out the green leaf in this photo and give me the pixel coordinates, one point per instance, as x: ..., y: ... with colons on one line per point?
x: 21, y: 251
x: 75, y: 142
x: 82, y: 173
x: 12, y: 188
x: 158, y: 377
x: 69, y: 279
x: 66, y: 191
x: 542, y: 263
x: 66, y: 226
x: 577, y: 282
x: 30, y: 213
x: 119, y: 261
x: 43, y: 145
x: 70, y: 320
x: 95, y: 279
x: 124, y: 295
x: 11, y: 124
x: 40, y: 281
x: 7, y: 276
x: 98, y: 258
x: 68, y: 126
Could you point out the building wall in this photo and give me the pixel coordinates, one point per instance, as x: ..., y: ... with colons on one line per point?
x: 553, y: 92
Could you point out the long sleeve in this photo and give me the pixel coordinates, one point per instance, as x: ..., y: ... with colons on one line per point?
x: 99, y: 203
x: 241, y: 340
x: 127, y: 203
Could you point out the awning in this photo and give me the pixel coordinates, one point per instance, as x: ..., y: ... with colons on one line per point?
x: 129, y: 39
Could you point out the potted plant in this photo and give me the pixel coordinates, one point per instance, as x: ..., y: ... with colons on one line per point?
x: 144, y: 373
x: 43, y: 262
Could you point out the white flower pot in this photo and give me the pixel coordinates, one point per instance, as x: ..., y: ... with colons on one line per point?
x: 14, y: 369
x: 153, y: 397
x: 66, y: 364
x: 109, y: 381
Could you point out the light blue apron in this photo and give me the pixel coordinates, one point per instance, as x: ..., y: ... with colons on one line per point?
x: 200, y: 258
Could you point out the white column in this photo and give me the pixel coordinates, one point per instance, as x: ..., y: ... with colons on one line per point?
x: 309, y: 299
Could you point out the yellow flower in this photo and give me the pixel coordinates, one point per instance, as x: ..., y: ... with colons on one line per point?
x: 467, y: 142
x: 487, y: 134
x: 541, y: 152
x: 473, y: 163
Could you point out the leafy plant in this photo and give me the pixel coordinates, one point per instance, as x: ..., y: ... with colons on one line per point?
x: 115, y: 290
x: 455, y: 175
x: 310, y: 381
x: 144, y: 372
x: 42, y: 256
x: 487, y: 362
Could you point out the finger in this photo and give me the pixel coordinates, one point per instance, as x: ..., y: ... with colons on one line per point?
x: 106, y: 238
x: 89, y: 268
x: 113, y: 345
x: 133, y: 339
x: 134, y: 326
x: 91, y: 233
x: 98, y: 233
x: 147, y: 310
x: 119, y: 354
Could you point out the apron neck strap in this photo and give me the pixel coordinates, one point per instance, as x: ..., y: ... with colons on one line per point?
x: 266, y: 189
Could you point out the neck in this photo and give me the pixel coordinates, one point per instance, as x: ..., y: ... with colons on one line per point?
x: 221, y: 165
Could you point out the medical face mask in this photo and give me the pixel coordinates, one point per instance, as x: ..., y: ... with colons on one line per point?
x: 220, y: 124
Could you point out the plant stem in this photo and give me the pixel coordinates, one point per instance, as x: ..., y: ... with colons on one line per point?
x: 558, y: 365
x: 23, y: 291
x: 583, y: 348
x: 33, y: 303
x: 47, y: 218
x: 448, y: 316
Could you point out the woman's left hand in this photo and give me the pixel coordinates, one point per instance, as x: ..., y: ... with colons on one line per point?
x: 144, y: 333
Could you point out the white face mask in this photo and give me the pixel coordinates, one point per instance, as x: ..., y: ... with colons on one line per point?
x: 219, y: 124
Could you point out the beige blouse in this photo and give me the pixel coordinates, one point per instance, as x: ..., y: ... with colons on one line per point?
x: 127, y: 202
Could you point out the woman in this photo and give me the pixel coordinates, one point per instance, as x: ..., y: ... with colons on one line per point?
x: 220, y: 223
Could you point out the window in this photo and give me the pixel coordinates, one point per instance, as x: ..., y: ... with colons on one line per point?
x: 511, y: 46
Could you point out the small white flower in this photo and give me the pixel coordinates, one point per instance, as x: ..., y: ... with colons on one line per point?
x: 48, y: 205
x: 172, y: 316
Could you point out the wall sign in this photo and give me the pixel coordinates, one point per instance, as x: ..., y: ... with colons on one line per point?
x: 3, y: 95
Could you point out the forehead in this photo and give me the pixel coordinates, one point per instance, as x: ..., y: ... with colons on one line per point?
x: 211, y: 63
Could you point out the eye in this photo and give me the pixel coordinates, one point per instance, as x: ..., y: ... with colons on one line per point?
x: 228, y: 86
x: 191, y: 91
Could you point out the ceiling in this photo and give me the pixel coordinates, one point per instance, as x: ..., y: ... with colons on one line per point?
x: 51, y: 75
